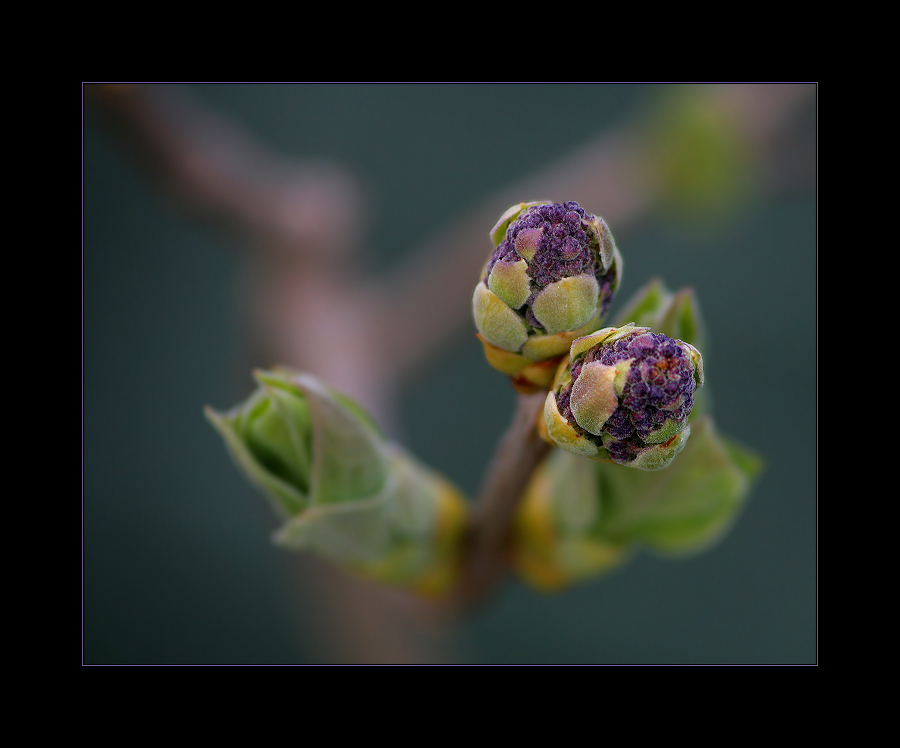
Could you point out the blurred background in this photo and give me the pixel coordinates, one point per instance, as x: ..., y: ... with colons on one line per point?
x: 178, y: 567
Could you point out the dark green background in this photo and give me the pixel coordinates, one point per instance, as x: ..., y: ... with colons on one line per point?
x: 177, y: 563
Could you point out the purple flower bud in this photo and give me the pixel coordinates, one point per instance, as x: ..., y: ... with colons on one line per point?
x: 558, y: 241
x: 626, y: 396
x: 551, y: 278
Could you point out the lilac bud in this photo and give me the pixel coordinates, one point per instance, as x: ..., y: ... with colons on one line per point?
x: 625, y: 395
x: 550, y: 279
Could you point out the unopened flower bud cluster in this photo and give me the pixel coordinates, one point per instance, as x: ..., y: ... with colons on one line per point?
x: 556, y: 242
x: 657, y: 393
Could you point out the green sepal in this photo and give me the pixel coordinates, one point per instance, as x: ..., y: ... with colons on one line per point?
x: 563, y: 434
x: 567, y: 304
x: 607, y: 250
x: 594, y: 396
x: 499, y: 324
x: 498, y: 232
x: 607, y: 335
x: 510, y: 282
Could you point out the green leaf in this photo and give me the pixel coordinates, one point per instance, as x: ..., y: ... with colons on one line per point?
x: 688, y: 505
x: 349, y: 463
x: 343, y: 491
x: 286, y: 498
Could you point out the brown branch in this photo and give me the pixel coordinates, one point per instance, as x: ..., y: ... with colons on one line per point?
x: 518, y: 454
